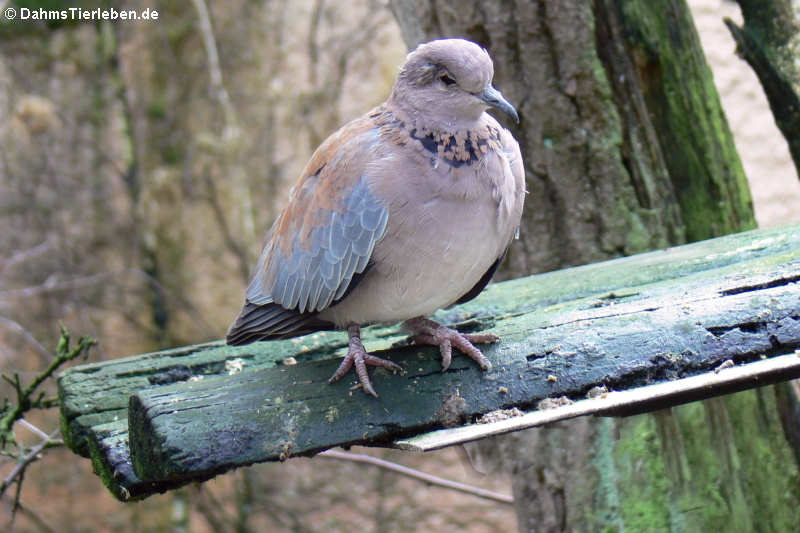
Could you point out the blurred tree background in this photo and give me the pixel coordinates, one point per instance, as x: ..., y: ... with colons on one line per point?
x: 140, y: 165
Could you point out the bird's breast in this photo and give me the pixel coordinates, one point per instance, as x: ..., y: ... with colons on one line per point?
x: 446, y: 227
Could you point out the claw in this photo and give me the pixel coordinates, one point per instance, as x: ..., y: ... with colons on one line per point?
x: 434, y: 334
x: 358, y: 356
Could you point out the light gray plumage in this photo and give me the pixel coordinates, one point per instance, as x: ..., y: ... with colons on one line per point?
x: 401, y: 212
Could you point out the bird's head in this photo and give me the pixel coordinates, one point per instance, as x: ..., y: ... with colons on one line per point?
x: 449, y: 83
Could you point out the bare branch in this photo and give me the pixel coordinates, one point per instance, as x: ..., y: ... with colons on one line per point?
x: 227, y: 236
x: 214, y: 71
x: 313, y: 41
x: 211, y: 509
x: 26, y: 335
x: 416, y: 474
x: 23, y: 255
x: 24, y: 461
x: 231, y: 131
x: 33, y: 428
x: 188, y: 306
x: 25, y: 400
x: 34, y: 517
x: 760, y: 47
x: 91, y: 280
x: 51, y: 286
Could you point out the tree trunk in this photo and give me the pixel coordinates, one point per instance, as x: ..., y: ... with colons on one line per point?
x: 626, y: 149
x: 770, y: 42
x: 626, y: 146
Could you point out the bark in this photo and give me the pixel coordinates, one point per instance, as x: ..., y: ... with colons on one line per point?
x: 769, y: 41
x: 626, y: 149
x: 626, y: 146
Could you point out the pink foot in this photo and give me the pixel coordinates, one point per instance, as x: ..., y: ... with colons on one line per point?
x: 432, y: 333
x: 358, y: 356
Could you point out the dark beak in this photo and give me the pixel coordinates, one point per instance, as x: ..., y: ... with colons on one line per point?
x: 494, y: 98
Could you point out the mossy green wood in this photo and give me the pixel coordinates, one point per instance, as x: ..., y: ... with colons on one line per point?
x: 97, y: 393
x: 212, y: 425
x: 662, y: 329
x: 111, y: 460
x: 678, y: 86
x: 720, y: 465
x: 569, y: 324
x: 630, y: 78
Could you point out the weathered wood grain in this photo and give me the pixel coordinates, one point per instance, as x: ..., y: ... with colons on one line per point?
x: 663, y: 330
x: 727, y: 378
x: 622, y: 323
x: 97, y: 393
x: 111, y: 460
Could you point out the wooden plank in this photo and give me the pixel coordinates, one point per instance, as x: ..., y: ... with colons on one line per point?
x: 97, y: 393
x: 541, y: 307
x: 659, y: 331
x: 111, y: 460
x: 723, y: 380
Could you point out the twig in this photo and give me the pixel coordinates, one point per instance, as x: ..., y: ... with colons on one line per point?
x: 233, y: 245
x: 215, y: 73
x: 231, y: 131
x: 418, y: 475
x: 776, y: 82
x: 313, y: 41
x: 63, y: 354
x: 33, y: 428
x: 35, y: 518
x: 15, y: 502
x: 23, y: 255
x: 49, y: 287
x: 26, y: 335
x: 91, y: 280
x: 210, y: 508
x: 24, y: 461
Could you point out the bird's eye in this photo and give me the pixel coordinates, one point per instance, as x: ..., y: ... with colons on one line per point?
x: 447, y: 79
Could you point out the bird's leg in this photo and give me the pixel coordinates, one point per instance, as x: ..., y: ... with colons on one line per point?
x: 358, y: 356
x: 429, y: 332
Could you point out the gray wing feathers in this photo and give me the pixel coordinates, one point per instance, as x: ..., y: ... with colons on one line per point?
x: 311, y: 278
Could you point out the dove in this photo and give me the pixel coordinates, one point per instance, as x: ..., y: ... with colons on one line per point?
x: 401, y: 212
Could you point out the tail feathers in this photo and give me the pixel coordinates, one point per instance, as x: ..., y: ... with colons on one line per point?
x: 271, y: 321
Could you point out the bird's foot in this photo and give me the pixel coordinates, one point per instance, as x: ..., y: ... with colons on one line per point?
x: 358, y: 356
x: 432, y: 333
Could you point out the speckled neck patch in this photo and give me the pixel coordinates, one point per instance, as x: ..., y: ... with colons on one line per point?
x: 455, y: 149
